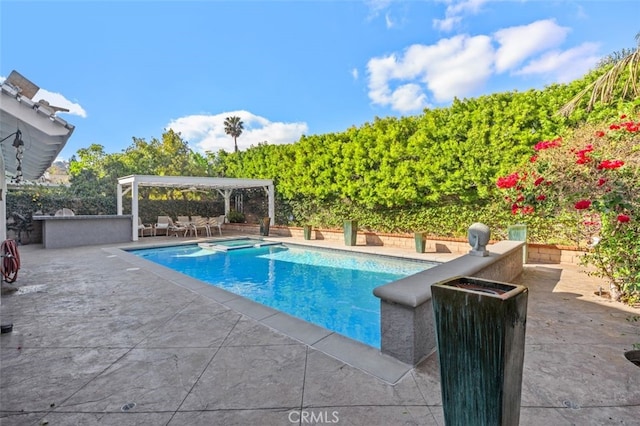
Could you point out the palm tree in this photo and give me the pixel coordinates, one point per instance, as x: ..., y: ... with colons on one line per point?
x: 603, y: 88
x: 233, y: 127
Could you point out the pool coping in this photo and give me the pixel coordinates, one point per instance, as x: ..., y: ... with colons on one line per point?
x: 347, y: 350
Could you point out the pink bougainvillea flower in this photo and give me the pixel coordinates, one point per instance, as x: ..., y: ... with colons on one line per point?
x: 520, y: 198
x: 533, y: 159
x: 632, y: 127
x: 610, y: 164
x: 587, y: 149
x: 527, y: 210
x: 601, y: 181
x: 547, y: 144
x: 514, y: 208
x: 583, y: 158
x: 541, y: 197
x: 623, y: 116
x: 614, y: 127
x: 583, y: 204
x: 623, y: 218
x: 538, y: 181
x: 600, y: 133
x: 507, y: 182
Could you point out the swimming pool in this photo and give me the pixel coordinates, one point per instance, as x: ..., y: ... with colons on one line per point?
x: 329, y: 288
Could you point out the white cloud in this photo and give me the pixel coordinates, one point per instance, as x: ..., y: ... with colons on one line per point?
x: 446, y: 24
x: 206, y: 132
x: 388, y: 21
x: 408, y: 97
x: 57, y: 99
x: 354, y: 73
x: 444, y: 68
x: 521, y: 42
x: 461, y: 65
x: 381, y: 71
x: 456, y: 10
x: 564, y: 66
x: 375, y: 6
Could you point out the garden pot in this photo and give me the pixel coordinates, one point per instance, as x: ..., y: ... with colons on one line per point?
x: 421, y: 241
x: 350, y: 232
x: 480, y: 333
x: 307, y: 232
x: 264, y: 226
x: 519, y: 233
x: 633, y: 356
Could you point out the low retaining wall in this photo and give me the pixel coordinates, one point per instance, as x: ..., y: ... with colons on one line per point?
x: 406, y: 314
x: 536, y: 253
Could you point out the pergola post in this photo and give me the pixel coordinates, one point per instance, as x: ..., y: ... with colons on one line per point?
x: 227, y: 201
x: 226, y: 194
x: 134, y: 210
x: 272, y: 205
x: 119, y: 200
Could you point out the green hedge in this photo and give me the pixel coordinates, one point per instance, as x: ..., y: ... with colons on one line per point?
x: 450, y: 220
x: 47, y: 201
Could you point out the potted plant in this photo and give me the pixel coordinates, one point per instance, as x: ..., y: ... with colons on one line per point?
x: 350, y: 232
x: 307, y: 232
x: 421, y: 241
x: 264, y: 226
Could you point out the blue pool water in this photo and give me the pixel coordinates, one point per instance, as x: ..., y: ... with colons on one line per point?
x: 330, y: 288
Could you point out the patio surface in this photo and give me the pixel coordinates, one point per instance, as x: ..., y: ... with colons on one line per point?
x: 95, y: 330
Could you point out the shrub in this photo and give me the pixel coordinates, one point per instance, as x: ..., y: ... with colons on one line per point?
x: 593, y: 175
x: 236, y: 217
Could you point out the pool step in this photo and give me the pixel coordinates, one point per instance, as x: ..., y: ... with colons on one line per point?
x: 220, y: 247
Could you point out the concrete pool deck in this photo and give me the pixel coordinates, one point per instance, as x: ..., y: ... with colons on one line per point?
x: 95, y: 333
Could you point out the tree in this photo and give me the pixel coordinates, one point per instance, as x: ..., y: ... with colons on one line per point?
x: 93, y: 172
x: 233, y: 127
x: 624, y: 70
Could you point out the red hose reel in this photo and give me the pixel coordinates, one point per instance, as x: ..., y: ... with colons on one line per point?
x: 10, y: 260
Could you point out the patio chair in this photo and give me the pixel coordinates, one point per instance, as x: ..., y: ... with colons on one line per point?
x: 168, y: 226
x: 200, y: 222
x: 185, y: 222
x: 65, y: 212
x: 162, y: 225
x: 218, y: 222
x: 142, y: 227
x: 176, y: 228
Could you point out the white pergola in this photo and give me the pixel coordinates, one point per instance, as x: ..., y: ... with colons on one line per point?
x: 33, y: 136
x: 224, y: 186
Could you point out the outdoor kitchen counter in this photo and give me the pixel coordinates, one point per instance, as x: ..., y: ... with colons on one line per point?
x: 84, y: 230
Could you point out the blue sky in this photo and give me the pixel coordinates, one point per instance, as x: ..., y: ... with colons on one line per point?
x: 129, y: 69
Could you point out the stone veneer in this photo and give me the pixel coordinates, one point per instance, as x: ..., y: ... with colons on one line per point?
x: 407, y: 321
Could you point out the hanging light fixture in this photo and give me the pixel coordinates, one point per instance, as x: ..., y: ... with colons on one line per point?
x: 18, y: 144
